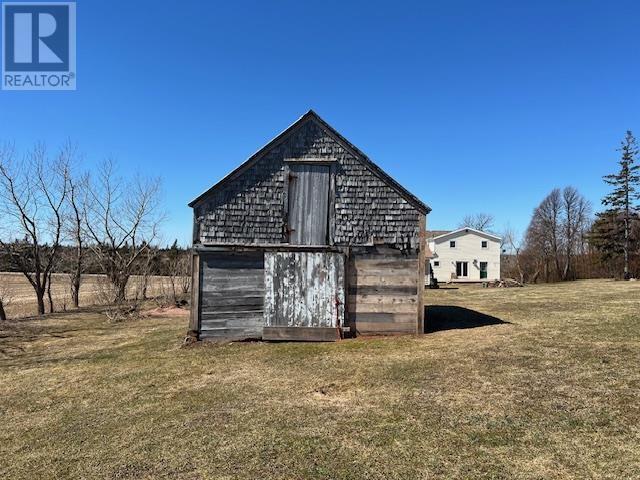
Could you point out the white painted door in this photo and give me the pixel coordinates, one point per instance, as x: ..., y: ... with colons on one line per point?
x: 304, y: 289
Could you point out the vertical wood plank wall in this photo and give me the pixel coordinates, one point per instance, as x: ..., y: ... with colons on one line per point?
x: 383, y: 291
x: 308, y: 203
x: 304, y: 289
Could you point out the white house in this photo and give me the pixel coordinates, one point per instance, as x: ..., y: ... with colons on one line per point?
x: 464, y: 255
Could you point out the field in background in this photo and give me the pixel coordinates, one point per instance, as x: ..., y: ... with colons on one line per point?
x: 523, y: 383
x: 23, y: 300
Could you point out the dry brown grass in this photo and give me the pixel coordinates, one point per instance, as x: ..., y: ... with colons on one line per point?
x: 23, y: 300
x: 552, y: 394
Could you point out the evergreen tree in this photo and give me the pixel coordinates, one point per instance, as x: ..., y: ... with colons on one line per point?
x: 626, y: 191
x: 607, y: 235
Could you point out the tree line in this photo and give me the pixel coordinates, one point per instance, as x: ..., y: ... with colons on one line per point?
x: 58, y: 218
x: 565, y: 241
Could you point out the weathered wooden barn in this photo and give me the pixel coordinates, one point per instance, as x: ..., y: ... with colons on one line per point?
x: 307, y: 240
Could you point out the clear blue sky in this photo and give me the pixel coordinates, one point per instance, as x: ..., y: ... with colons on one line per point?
x: 472, y: 105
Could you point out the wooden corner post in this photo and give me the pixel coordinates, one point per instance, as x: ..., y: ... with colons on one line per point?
x: 422, y: 258
x: 194, y: 318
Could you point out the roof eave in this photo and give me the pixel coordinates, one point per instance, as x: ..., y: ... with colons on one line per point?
x: 254, y: 156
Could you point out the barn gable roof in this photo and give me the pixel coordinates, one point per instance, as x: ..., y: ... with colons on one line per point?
x: 311, y: 115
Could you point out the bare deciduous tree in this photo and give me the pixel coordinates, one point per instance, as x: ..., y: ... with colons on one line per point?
x: 576, y: 212
x: 556, y: 232
x: 33, y: 193
x: 538, y: 249
x: 513, y: 244
x: 5, y: 301
x: 122, y: 221
x: 547, y: 222
x: 76, y: 232
x: 184, y: 280
x: 179, y: 269
x: 478, y: 221
x: 146, y: 268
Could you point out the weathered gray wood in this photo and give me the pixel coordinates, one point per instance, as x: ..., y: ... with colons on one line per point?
x: 308, y: 204
x: 304, y: 289
x: 265, y: 247
x: 382, y: 290
x: 332, y: 204
x: 245, y: 321
x: 381, y: 279
x: 372, y: 317
x: 343, y: 202
x: 395, y: 317
x: 379, y: 299
x: 235, y: 260
x: 231, y: 314
x: 302, y: 334
x: 221, y: 301
x: 246, y: 207
x: 384, y: 328
x: 381, y: 253
x: 392, y: 308
x: 360, y: 271
x: 286, y: 234
x: 311, y: 161
x: 232, y: 334
x: 239, y: 283
x: 422, y: 258
x: 232, y: 294
x: 224, y: 271
x: 194, y: 314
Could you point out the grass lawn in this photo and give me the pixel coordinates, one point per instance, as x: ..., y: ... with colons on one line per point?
x: 549, y: 387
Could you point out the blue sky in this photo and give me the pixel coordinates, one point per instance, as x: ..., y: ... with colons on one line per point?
x: 472, y: 105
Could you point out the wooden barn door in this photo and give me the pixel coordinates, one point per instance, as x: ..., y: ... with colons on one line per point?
x: 304, y: 295
x: 308, y: 204
x: 231, y: 295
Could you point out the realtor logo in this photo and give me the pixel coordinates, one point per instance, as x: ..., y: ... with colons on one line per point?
x: 39, y: 46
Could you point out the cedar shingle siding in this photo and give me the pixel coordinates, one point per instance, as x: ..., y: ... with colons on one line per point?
x: 355, y: 261
x: 249, y: 207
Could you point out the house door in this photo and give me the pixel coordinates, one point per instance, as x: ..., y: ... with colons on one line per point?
x: 483, y: 270
x: 308, y: 204
x: 303, y: 290
x: 462, y: 269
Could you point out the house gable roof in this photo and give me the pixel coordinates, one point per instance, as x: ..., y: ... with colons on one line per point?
x: 431, y: 234
x: 455, y: 233
x: 311, y: 115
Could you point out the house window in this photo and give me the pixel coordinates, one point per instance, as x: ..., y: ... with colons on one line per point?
x: 462, y: 269
x: 452, y: 244
x: 484, y: 244
x: 436, y: 263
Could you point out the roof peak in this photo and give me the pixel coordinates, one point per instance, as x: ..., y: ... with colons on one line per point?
x: 467, y: 229
x: 312, y: 114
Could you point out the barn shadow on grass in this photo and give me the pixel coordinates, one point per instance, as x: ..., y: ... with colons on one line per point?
x: 448, y: 317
